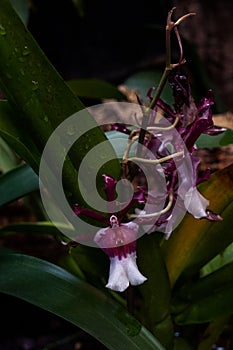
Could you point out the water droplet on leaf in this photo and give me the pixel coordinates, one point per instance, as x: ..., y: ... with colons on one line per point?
x: 35, y: 85
x: 26, y: 51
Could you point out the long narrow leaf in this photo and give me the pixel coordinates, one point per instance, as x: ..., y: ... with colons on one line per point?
x: 207, y: 299
x: 17, y: 183
x: 43, y: 100
x: 54, y: 289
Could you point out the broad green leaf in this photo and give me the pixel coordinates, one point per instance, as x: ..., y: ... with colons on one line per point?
x: 195, y: 242
x: 17, y: 183
x: 95, y: 89
x: 208, y: 141
x: 42, y: 99
x: 227, y: 138
x: 54, y: 289
x: 141, y: 82
x: 86, y: 258
x: 206, y: 299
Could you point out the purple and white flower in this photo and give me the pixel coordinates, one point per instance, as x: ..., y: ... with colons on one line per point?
x: 119, y: 242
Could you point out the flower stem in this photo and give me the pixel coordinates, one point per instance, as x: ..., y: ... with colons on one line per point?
x: 168, y: 68
x: 156, y: 161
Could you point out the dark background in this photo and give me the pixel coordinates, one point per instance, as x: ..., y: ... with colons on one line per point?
x: 112, y: 40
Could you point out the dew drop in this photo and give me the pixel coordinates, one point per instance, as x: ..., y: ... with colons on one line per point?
x: 35, y: 85
x: 26, y: 51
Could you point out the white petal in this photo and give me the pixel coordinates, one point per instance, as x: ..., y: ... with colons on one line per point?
x: 195, y: 203
x: 124, y: 271
x: 134, y: 275
x: 118, y: 279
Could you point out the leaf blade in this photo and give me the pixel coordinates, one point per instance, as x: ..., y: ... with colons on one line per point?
x: 59, y: 292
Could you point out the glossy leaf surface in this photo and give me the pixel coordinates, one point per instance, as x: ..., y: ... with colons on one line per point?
x: 54, y: 289
x: 41, y: 98
x: 17, y: 183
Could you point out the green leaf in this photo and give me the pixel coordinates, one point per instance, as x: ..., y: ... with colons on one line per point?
x: 54, y: 289
x: 43, y: 100
x: 156, y: 290
x: 206, y: 299
x: 220, y: 260
x: 14, y: 133
x: 195, y: 242
x: 208, y: 141
x: 86, y: 258
x: 41, y: 227
x: 143, y: 81
x: 22, y: 8
x: 7, y: 157
x: 17, y: 183
x: 95, y: 88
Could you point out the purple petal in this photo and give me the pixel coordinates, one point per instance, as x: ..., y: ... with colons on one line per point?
x: 215, y: 130
x: 202, y: 123
x: 118, y: 241
x: 181, y: 89
x: 89, y: 213
x: 212, y: 216
x: 110, y: 186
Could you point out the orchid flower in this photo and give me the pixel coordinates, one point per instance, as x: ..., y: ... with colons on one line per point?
x: 118, y: 240
x: 190, y: 121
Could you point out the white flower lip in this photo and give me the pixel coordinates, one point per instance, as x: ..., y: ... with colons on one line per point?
x: 124, y: 272
x: 119, y: 242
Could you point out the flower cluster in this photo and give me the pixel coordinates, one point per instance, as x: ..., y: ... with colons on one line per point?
x: 189, y: 121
